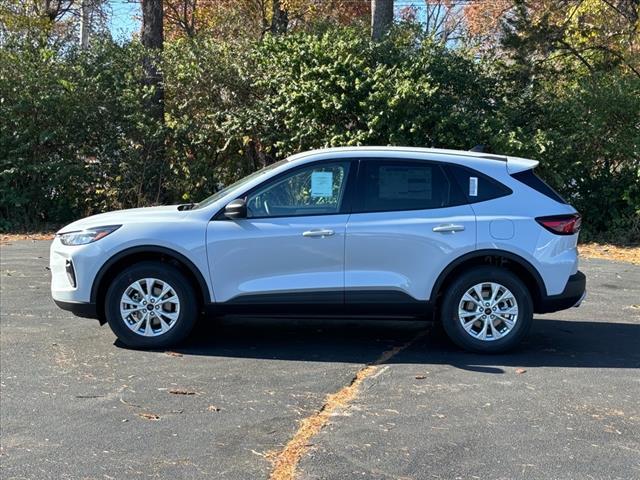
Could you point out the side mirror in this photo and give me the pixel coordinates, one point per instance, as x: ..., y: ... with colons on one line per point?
x: 236, y: 209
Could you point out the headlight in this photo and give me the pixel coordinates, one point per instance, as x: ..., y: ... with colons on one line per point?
x: 89, y: 235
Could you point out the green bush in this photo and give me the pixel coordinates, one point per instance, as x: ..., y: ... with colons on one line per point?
x: 338, y: 88
x: 73, y: 134
x: 586, y: 134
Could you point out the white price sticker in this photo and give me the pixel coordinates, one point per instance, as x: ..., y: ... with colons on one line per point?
x: 473, y: 186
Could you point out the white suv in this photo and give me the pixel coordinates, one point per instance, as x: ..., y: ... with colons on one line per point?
x: 478, y: 239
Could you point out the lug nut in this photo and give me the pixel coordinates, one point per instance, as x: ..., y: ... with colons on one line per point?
x: 153, y: 301
x: 157, y: 307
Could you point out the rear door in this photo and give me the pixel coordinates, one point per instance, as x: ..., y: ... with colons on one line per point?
x: 409, y: 221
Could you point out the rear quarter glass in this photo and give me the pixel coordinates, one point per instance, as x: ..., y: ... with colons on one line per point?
x: 476, y: 186
x: 529, y: 178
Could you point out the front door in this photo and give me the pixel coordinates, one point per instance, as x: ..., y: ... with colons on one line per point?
x: 290, y: 248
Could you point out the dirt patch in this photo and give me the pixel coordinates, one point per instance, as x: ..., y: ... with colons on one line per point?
x: 629, y: 254
x: 285, y: 462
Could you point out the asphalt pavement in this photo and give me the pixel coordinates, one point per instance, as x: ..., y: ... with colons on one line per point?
x: 76, y: 404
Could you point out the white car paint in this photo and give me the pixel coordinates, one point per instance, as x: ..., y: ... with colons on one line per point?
x: 396, y: 251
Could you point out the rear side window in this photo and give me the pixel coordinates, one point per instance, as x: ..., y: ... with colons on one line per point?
x: 529, y: 178
x: 405, y: 185
x: 477, y: 186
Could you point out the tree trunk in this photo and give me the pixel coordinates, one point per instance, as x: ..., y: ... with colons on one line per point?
x: 381, y: 18
x: 279, y: 19
x: 152, y: 37
x: 152, y: 33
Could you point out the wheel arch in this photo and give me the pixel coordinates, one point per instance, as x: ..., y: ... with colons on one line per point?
x: 500, y: 258
x: 142, y: 253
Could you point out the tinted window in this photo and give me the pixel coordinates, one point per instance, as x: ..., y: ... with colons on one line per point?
x: 528, y: 177
x: 400, y: 185
x: 477, y: 186
x: 313, y: 190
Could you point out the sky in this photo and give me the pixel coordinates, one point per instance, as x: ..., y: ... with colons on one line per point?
x: 123, y: 23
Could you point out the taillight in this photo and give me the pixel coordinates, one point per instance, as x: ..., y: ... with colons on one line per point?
x: 561, y: 224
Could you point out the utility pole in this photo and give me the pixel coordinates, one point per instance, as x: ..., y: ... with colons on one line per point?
x: 85, y: 22
x: 381, y: 18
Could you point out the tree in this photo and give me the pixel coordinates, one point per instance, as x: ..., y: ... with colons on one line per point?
x: 152, y: 29
x: 252, y: 19
x: 381, y: 17
x: 50, y: 22
x: 582, y: 34
x: 152, y: 38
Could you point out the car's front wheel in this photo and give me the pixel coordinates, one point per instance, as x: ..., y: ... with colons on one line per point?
x: 487, y: 310
x: 151, y: 305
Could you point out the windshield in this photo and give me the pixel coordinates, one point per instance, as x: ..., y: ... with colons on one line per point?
x: 221, y: 193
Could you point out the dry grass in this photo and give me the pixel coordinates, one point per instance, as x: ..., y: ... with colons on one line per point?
x: 629, y: 254
x: 285, y: 462
x: 7, y: 238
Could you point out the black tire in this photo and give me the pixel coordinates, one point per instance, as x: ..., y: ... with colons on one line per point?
x: 459, y: 287
x: 187, y: 315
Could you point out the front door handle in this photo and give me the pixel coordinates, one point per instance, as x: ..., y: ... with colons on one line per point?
x: 318, y: 233
x: 449, y: 227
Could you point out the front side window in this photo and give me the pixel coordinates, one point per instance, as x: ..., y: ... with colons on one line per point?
x: 405, y: 185
x: 314, y: 190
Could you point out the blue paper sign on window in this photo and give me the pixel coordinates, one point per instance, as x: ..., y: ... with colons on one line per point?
x: 322, y: 184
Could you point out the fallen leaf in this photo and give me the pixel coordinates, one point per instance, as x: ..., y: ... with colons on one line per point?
x: 213, y: 408
x: 149, y: 416
x: 179, y: 391
x: 420, y: 377
x: 173, y: 354
x: 520, y: 371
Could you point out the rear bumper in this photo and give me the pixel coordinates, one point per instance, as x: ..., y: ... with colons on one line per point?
x: 79, y: 309
x: 572, y: 295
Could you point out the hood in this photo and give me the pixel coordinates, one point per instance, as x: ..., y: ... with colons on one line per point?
x: 168, y: 213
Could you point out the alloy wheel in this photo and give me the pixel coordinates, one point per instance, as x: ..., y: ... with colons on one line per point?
x: 150, y: 307
x: 488, y: 311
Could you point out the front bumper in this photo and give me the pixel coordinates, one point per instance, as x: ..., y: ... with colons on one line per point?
x: 572, y: 295
x: 79, y: 309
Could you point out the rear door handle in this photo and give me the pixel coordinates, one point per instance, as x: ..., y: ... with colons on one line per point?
x: 318, y: 233
x: 449, y: 227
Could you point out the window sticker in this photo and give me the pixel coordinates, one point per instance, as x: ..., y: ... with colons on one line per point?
x: 397, y: 183
x: 473, y: 186
x: 322, y: 184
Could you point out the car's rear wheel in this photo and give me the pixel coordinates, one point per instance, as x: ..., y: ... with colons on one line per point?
x: 487, y: 310
x: 151, y: 305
